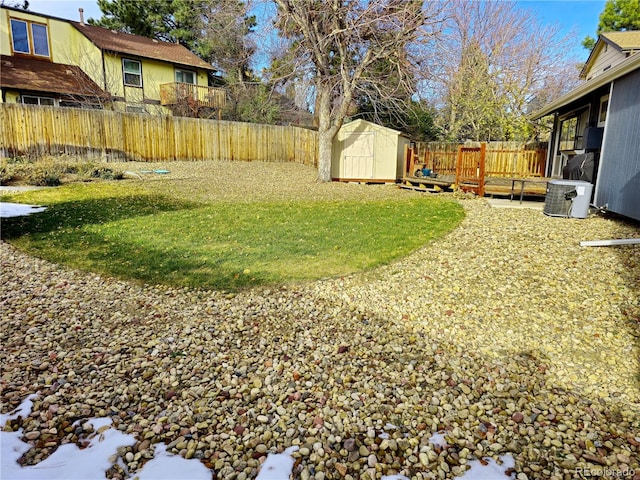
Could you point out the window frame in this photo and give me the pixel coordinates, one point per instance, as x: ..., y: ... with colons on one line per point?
x: 181, y: 71
x: 571, y: 139
x: 39, y: 98
x: 31, y: 43
x: 125, y: 73
x: 602, y: 115
x: 46, y: 36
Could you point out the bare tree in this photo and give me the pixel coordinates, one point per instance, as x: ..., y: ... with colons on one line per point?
x: 493, y: 60
x: 340, y: 46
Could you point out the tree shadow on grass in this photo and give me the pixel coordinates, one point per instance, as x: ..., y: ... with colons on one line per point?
x: 78, y: 213
x: 60, y: 234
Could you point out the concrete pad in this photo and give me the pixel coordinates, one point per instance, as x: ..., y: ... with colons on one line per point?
x: 506, y: 203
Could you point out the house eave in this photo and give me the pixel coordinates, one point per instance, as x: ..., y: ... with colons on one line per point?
x: 629, y: 65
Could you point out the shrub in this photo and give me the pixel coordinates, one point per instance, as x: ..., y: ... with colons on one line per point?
x: 7, y: 173
x: 52, y: 171
x: 107, y: 173
x: 43, y: 175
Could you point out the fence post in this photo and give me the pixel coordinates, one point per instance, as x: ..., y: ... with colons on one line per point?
x: 483, y: 152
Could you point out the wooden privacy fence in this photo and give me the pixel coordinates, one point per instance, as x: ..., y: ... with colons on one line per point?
x: 502, y: 159
x: 35, y: 131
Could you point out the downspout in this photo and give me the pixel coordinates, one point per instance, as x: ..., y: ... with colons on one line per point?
x: 602, y: 150
x: 104, y: 72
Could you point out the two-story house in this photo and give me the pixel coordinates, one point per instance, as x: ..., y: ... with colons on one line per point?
x: 602, y: 117
x: 52, y: 61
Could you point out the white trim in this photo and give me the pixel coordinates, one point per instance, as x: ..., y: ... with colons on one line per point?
x: 604, y: 98
x: 603, y: 147
x: 13, y: 41
x: 39, y: 98
x: 124, y: 72
x: 183, y: 71
x: 33, y: 39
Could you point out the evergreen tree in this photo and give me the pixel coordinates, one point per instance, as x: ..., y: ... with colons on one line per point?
x: 215, y: 30
x: 617, y: 16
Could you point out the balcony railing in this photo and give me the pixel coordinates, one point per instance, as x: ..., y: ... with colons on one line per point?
x: 187, y: 94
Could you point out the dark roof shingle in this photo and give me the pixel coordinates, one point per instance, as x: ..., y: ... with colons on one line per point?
x: 30, y: 74
x: 126, y: 43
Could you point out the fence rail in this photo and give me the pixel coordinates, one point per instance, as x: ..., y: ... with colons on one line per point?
x: 36, y: 131
x: 503, y: 159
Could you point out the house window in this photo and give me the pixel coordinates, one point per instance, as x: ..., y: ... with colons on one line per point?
x: 35, y: 100
x: 135, y: 109
x: 40, y: 39
x: 604, y: 106
x: 132, y: 72
x: 572, y: 129
x: 29, y: 38
x: 185, y: 77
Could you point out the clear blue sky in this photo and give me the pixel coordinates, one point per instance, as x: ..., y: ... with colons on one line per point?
x: 578, y: 15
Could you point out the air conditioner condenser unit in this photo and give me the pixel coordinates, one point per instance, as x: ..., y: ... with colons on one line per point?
x: 568, y: 198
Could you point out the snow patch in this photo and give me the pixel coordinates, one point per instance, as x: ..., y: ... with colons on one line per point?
x: 278, y: 466
x: 8, y: 210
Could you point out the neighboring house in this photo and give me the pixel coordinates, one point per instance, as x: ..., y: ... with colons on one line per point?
x: 52, y: 61
x: 602, y: 116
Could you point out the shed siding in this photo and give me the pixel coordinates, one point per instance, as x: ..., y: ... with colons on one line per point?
x: 618, y: 182
x: 366, y: 151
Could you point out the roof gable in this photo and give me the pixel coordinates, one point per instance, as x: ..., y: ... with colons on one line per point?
x: 139, y: 46
x: 629, y: 40
x: 625, y: 42
x: 360, y: 124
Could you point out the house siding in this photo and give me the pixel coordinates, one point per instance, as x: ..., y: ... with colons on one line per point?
x: 607, y: 59
x: 69, y: 45
x: 618, y: 184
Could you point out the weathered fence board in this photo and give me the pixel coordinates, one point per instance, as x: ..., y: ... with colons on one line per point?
x: 35, y: 131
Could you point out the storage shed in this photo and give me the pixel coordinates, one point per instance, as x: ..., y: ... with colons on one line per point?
x: 367, y: 152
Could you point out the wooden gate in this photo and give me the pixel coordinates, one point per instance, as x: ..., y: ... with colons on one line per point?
x: 470, y: 168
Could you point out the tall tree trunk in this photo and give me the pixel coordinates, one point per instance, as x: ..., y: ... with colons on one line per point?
x: 326, y: 131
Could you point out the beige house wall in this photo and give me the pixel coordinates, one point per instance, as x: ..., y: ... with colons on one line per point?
x: 606, y: 57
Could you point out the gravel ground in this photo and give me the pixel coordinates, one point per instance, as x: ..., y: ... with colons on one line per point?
x: 505, y: 334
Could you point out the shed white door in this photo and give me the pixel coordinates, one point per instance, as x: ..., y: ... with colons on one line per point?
x: 358, y: 154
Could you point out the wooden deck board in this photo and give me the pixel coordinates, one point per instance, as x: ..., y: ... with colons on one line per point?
x: 428, y: 181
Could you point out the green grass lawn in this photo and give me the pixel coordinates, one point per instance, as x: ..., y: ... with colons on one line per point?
x: 126, y: 231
